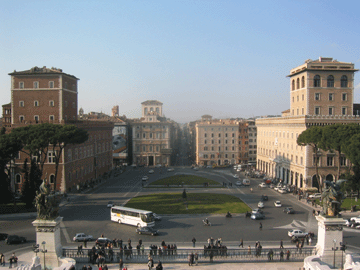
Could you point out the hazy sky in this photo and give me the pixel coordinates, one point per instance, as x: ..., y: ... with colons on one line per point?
x: 223, y: 58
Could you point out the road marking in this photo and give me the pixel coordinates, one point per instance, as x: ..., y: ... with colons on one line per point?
x: 130, y: 198
x: 293, y: 224
x: 64, y: 230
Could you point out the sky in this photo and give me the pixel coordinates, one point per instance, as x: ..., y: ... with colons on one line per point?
x: 224, y: 58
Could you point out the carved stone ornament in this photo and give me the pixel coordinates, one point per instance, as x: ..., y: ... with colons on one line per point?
x: 334, y: 228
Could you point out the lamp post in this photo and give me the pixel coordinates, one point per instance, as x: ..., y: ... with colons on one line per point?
x: 44, y: 250
x: 342, y: 248
x: 334, y: 249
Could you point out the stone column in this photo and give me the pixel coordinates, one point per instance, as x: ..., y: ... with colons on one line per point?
x: 330, y: 235
x: 49, y: 231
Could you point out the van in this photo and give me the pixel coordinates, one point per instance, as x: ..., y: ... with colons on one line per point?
x: 246, y: 182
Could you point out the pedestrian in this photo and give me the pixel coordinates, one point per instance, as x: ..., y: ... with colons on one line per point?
x: 89, y: 267
x: 121, y: 264
x: 193, y: 241
x: 196, y: 258
x: 84, y: 267
x: 249, y: 250
x: 85, y: 243
x: 260, y: 227
x: 211, y: 256
x: 241, y: 243
x: 281, y: 244
x: 150, y: 263
x: 2, y: 259
x: 159, y: 266
x: 287, y: 255
x: 105, y: 267
x: 281, y: 256
x: 129, y: 241
x: 190, y: 258
x: 310, y: 241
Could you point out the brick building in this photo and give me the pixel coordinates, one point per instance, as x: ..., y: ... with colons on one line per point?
x: 48, y: 95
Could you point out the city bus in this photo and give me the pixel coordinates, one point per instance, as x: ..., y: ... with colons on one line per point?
x: 131, y: 216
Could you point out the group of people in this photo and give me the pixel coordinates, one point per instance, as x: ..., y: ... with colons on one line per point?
x: 214, y: 247
x: 164, y: 249
x: 193, y: 259
x: 12, y: 260
x: 150, y: 264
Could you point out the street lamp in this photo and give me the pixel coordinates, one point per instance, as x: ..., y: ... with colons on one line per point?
x: 342, y: 248
x: 334, y: 249
x: 44, y: 250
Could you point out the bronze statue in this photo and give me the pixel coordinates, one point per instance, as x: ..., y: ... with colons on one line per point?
x: 47, y: 205
x: 332, y: 198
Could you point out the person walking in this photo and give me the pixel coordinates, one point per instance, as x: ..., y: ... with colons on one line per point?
x: 249, y: 250
x: 196, y: 258
x: 2, y: 259
x: 211, y: 256
x: 121, y: 264
x: 260, y: 227
x: 159, y: 266
x: 193, y: 241
x: 241, y: 243
x: 287, y: 255
x: 310, y: 241
x: 281, y: 244
x: 281, y: 256
x: 150, y: 263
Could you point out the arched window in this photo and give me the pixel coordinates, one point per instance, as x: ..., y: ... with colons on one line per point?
x: 18, y: 179
x: 302, y: 82
x: 293, y: 85
x: 344, y: 81
x: 52, y: 179
x: 145, y: 111
x: 298, y: 83
x: 330, y: 81
x: 316, y: 81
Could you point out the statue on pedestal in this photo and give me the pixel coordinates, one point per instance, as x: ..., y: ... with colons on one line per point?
x: 332, y: 198
x: 47, y: 205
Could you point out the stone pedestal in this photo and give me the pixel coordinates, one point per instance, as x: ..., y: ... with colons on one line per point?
x: 330, y: 235
x: 49, y: 231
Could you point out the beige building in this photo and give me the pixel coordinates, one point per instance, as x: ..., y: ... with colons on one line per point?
x: 152, y: 136
x: 321, y: 93
x: 216, y: 141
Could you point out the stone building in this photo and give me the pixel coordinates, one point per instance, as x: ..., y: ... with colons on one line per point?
x: 321, y: 93
x: 48, y: 95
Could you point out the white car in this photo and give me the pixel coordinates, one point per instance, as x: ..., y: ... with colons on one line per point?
x: 81, y: 237
x: 145, y: 178
x: 315, y: 196
x: 261, y: 205
x: 110, y: 204
x: 282, y: 190
x: 257, y: 210
x: 151, y: 171
x: 262, y: 185
x: 170, y: 170
x: 239, y: 183
x: 297, y: 233
x: 277, y: 204
x: 236, y: 176
x: 355, y: 219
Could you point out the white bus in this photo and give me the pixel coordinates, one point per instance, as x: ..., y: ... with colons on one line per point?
x: 131, y: 216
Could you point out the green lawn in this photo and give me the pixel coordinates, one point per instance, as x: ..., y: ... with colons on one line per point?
x: 197, y: 203
x: 348, y: 202
x: 184, y: 180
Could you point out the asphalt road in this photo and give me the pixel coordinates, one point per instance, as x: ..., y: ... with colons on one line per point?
x: 88, y: 213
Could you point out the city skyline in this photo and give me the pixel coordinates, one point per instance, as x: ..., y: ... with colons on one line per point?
x: 227, y: 59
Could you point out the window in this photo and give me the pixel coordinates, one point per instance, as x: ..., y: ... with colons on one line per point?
x: 51, y: 84
x: 343, y: 110
x: 303, y: 97
x: 21, y: 103
x: 297, y: 83
x: 219, y: 135
x: 51, y: 118
x: 52, y: 179
x: 331, y: 96
x: 36, y: 103
x: 302, y: 82
x: 344, y: 81
x: 297, y: 98
x: 36, y: 118
x: 65, y: 85
x: 329, y: 161
x: 293, y: 85
x: 317, y: 110
x: 205, y: 142
x: 316, y: 81
x: 21, y: 118
x: 21, y: 85
x: 316, y: 159
x: 342, y: 161
x: 51, y: 157
x: 302, y: 111
x: 344, y: 96
x: 17, y: 179
x: 36, y: 84
x: 317, y: 96
x: 51, y: 103
x: 331, y: 110
x: 206, y: 148
x: 330, y: 81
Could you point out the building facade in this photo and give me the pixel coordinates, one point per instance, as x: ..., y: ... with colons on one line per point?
x: 321, y: 93
x: 152, y: 136
x: 48, y: 95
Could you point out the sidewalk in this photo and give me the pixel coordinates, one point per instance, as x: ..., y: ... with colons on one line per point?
x: 26, y: 258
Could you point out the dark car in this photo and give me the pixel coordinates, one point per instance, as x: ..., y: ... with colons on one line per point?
x: 147, y: 230
x: 102, y: 242
x: 264, y: 197
x: 289, y: 210
x: 256, y: 216
x: 15, y: 239
x: 3, y: 236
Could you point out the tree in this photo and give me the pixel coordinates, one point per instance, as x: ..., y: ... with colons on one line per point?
x: 65, y: 135
x: 312, y: 137
x: 27, y: 188
x: 9, y: 147
x: 184, y: 194
x: 352, y: 152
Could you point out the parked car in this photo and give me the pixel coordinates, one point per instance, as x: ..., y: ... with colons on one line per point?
x: 282, y: 190
x: 315, y: 196
x: 102, y: 242
x: 151, y: 171
x: 81, y: 237
x: 15, y: 239
x: 261, y: 205
x: 3, y: 236
x: 147, y: 230
x: 264, y: 197
x: 297, y: 233
x: 257, y: 210
x: 157, y: 217
x: 239, y: 183
x: 145, y: 178
x: 262, y: 185
x: 277, y: 204
x: 110, y: 204
x: 256, y: 216
x: 289, y: 210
